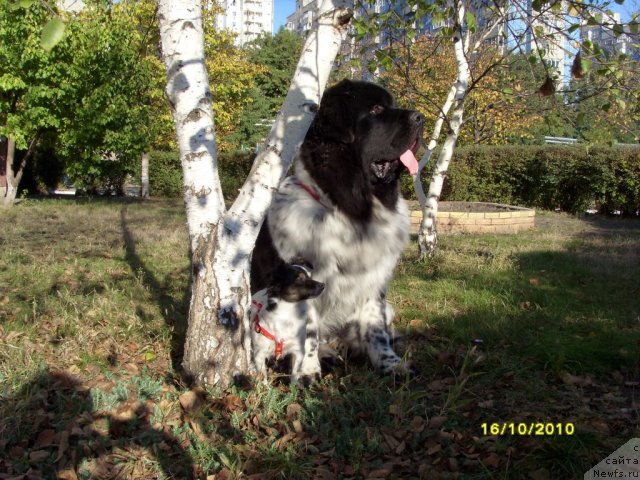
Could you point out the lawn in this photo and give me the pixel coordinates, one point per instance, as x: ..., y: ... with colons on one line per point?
x: 505, y: 330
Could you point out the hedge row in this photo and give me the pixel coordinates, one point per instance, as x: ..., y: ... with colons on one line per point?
x: 572, y: 178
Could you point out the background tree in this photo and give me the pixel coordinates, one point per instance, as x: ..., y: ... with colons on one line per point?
x: 232, y: 76
x: 88, y: 97
x: 32, y: 88
x: 108, y: 124
x: 506, y: 24
x: 277, y: 56
x: 492, y: 117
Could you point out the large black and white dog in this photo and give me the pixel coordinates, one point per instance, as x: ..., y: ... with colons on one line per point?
x: 342, y: 211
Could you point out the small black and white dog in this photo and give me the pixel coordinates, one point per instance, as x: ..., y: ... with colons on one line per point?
x: 283, y: 324
x: 343, y: 212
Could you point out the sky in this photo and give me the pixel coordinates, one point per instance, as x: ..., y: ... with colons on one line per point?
x: 284, y: 8
x: 281, y: 10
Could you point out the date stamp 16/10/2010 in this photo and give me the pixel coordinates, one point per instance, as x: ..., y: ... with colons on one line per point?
x: 528, y: 428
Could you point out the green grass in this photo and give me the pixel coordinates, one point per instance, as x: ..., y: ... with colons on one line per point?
x: 540, y: 326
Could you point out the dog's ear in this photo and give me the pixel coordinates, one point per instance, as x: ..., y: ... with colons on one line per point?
x: 335, y: 119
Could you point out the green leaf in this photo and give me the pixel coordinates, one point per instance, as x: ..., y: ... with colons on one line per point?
x: 52, y: 33
x: 26, y: 3
x: 150, y: 356
x: 471, y: 21
x: 507, y: 91
x: 618, y: 29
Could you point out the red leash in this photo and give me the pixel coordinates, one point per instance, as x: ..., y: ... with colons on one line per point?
x: 263, y: 331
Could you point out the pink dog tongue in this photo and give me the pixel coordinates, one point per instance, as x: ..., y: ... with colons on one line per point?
x: 409, y: 161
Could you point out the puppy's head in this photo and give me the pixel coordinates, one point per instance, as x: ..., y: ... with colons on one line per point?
x: 293, y: 283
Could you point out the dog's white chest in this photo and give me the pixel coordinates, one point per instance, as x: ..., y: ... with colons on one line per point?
x: 354, y: 261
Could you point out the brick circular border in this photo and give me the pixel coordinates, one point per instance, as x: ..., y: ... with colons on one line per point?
x: 497, y: 218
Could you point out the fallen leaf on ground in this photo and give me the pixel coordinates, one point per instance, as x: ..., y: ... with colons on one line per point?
x: 491, y: 460
x: 541, y: 474
x: 63, y: 445
x: 293, y: 409
x: 191, y: 400
x: 38, y: 456
x: 437, y: 421
x: 45, y: 438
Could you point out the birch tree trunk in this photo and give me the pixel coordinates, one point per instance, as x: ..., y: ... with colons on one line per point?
x: 428, y: 232
x: 217, y: 346
x: 13, y: 177
x: 144, y: 175
x: 10, y: 190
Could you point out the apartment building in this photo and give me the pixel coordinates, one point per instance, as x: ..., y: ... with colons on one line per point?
x: 604, y: 36
x: 247, y: 18
x: 546, y: 34
x: 301, y: 20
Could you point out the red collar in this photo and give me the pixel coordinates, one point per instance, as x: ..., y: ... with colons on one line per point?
x: 263, y: 331
x: 310, y: 190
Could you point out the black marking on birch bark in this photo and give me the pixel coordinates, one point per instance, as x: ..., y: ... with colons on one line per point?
x: 268, y: 187
x: 229, y: 319
x: 188, y: 24
x: 273, y: 149
x: 203, y: 192
x: 345, y: 17
x: 309, y: 107
x: 189, y: 157
x: 193, y: 116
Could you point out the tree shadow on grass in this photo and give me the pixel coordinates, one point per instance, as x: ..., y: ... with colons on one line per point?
x: 52, y: 428
x: 174, y: 313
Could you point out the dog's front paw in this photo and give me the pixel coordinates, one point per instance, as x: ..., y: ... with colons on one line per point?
x: 307, y: 379
x: 401, y: 370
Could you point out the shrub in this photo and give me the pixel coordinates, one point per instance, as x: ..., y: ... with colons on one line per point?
x: 165, y: 173
x: 571, y: 178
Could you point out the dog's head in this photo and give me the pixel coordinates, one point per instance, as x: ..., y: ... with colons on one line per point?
x: 360, y: 138
x: 293, y: 283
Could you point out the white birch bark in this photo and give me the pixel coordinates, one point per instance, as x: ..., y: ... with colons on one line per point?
x: 12, y: 177
x: 10, y: 188
x: 424, y: 161
x: 428, y: 233
x: 144, y: 175
x: 216, y: 347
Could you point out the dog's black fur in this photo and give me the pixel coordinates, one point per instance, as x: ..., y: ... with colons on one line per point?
x: 351, y: 158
